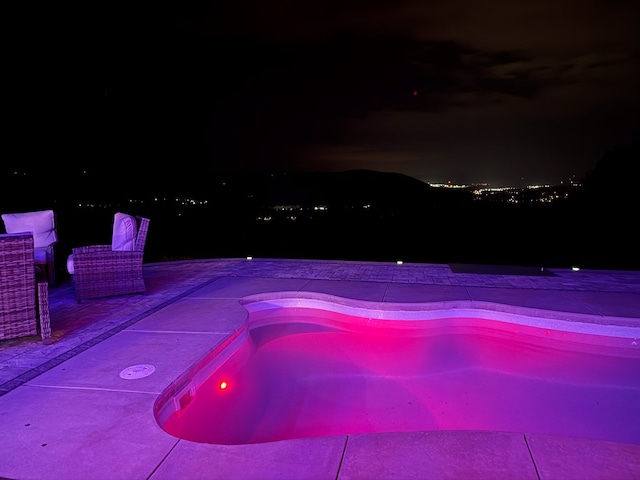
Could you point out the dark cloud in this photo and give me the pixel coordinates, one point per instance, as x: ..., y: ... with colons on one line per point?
x: 284, y: 97
x: 424, y: 88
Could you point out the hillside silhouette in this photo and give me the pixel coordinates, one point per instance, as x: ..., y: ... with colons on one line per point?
x: 352, y: 215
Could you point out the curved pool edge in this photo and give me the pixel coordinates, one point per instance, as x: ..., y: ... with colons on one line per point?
x: 526, y: 316
x: 185, y: 385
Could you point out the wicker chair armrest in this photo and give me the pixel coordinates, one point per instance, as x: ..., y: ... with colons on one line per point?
x: 103, y: 256
x: 91, y: 249
x: 96, y: 261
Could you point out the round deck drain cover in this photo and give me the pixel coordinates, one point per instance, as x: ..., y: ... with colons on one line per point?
x: 137, y: 371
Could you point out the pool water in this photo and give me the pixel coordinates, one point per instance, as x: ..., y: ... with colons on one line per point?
x: 303, y: 371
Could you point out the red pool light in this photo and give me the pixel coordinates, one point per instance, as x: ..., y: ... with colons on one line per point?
x: 223, y: 385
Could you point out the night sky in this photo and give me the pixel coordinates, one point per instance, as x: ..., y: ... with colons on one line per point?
x: 501, y: 91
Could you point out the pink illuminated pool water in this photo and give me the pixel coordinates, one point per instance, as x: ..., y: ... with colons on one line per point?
x: 306, y: 367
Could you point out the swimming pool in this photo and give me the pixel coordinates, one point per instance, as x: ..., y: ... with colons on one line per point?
x: 308, y: 364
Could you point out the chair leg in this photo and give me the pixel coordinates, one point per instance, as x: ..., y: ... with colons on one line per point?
x: 43, y: 313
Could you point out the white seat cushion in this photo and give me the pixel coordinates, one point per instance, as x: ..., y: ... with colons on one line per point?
x: 41, y: 224
x: 41, y: 255
x: 70, y: 264
x: 124, y: 232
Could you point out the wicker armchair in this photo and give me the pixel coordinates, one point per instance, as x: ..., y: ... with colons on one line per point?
x: 45, y: 237
x: 24, y: 298
x: 100, y: 271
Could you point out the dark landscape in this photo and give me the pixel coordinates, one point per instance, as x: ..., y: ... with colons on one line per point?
x: 351, y: 215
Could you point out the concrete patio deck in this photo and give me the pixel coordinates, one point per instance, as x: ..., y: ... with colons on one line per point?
x: 65, y: 412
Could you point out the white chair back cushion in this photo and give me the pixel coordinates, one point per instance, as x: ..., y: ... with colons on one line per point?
x: 125, y: 229
x: 41, y: 224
